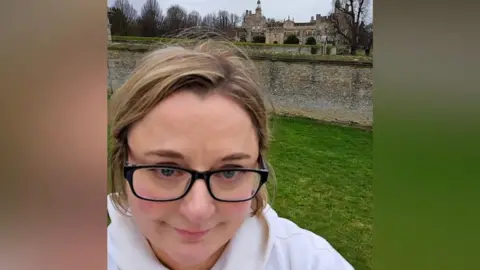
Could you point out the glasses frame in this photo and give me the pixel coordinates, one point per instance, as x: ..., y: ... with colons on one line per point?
x: 129, y: 169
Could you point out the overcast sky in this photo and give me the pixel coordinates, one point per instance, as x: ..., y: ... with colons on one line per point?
x: 300, y: 10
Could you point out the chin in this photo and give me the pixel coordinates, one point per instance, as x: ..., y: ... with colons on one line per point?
x: 190, y: 256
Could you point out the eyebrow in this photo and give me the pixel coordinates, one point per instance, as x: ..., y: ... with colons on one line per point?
x: 165, y: 153
x: 177, y: 155
x: 236, y: 156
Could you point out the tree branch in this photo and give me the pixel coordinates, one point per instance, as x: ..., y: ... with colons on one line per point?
x: 337, y: 28
x: 360, y: 9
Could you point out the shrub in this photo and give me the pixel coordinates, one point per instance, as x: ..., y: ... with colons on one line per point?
x: 258, y: 39
x: 291, y: 39
x: 343, y: 51
x: 311, y: 41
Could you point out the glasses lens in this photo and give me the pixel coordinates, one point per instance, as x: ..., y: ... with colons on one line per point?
x: 160, y: 183
x: 234, y: 185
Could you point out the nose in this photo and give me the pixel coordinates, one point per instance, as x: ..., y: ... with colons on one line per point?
x: 197, y: 206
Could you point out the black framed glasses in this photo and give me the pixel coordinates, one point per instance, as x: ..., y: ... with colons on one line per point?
x: 160, y: 183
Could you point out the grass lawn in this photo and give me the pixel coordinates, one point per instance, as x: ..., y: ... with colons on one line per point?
x: 324, y: 183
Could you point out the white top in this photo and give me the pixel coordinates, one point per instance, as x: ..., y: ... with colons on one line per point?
x: 288, y: 247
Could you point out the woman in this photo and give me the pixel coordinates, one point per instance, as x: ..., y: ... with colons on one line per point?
x: 189, y: 171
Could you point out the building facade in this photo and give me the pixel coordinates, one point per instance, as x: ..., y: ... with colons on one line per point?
x: 256, y: 26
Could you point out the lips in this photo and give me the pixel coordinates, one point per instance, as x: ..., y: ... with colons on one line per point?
x: 191, y: 235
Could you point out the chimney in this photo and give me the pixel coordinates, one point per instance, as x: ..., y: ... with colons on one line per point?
x: 311, y: 19
x: 318, y: 17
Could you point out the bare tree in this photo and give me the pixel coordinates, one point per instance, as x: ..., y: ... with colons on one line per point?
x: 366, y: 29
x: 234, y: 20
x: 127, y: 9
x: 176, y: 18
x: 366, y: 37
x: 243, y: 17
x: 123, y: 18
x: 210, y: 21
x: 193, y: 19
x: 223, y: 20
x: 150, y: 19
x: 347, y: 19
x: 118, y: 20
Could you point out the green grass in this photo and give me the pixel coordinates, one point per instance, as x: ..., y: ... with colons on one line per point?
x: 324, y: 183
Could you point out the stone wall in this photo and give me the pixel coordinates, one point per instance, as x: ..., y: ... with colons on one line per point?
x: 331, y: 91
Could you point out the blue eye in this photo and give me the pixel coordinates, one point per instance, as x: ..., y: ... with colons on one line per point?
x: 167, y: 172
x: 229, y: 174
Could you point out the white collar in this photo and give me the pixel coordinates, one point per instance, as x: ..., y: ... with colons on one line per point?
x: 130, y: 250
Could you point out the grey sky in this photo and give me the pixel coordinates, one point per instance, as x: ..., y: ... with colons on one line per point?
x: 300, y: 10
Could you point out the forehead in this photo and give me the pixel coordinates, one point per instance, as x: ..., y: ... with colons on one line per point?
x: 195, y: 125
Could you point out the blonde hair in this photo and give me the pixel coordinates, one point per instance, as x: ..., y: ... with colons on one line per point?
x: 205, y: 67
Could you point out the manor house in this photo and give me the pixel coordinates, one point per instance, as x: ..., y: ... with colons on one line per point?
x: 256, y: 26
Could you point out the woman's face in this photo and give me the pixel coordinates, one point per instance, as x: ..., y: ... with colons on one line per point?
x: 197, y: 133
